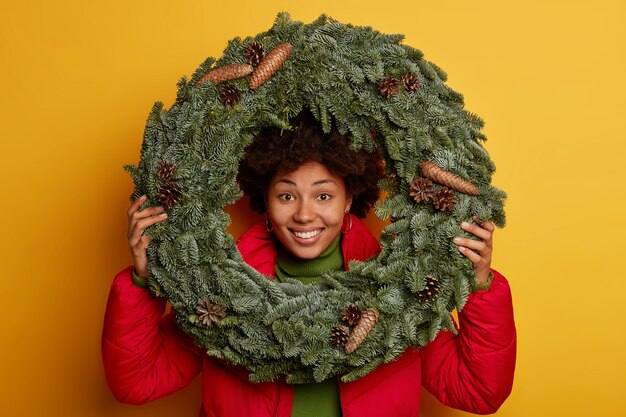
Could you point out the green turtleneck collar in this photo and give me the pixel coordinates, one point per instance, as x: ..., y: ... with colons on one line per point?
x: 309, y: 271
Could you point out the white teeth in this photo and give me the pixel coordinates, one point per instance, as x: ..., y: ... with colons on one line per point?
x: 307, y: 235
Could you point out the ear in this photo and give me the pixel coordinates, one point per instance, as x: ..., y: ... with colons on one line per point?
x: 266, y: 193
x: 348, y: 204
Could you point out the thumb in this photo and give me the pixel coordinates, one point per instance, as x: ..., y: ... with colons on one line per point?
x: 145, y: 241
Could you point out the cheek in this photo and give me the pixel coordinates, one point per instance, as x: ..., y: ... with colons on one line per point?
x: 277, y: 214
x: 280, y: 213
x: 334, y: 216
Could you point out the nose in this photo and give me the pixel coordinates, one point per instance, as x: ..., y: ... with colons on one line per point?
x: 304, y: 212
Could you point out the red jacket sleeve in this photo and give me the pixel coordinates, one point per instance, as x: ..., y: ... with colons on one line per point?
x: 145, y: 355
x: 474, y: 370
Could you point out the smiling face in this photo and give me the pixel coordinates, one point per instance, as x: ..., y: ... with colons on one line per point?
x: 306, y: 208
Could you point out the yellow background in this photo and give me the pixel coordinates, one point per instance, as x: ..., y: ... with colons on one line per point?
x: 78, y: 78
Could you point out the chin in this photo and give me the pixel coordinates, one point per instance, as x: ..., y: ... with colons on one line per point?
x: 304, y: 254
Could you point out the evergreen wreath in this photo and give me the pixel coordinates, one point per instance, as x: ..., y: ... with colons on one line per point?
x: 380, y: 93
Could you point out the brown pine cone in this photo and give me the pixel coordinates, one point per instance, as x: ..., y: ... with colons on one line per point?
x: 170, y: 194
x: 339, y: 335
x: 166, y: 171
x: 388, y: 86
x: 210, y: 312
x: 450, y: 179
x: 369, y: 318
x: 230, y: 95
x: 226, y: 73
x: 410, y: 82
x: 444, y: 199
x: 351, y: 315
x: 422, y: 190
x: 253, y: 53
x: 430, y: 291
x: 270, y: 64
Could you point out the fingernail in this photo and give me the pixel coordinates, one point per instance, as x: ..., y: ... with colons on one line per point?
x: 465, y: 224
x: 457, y: 240
x: 163, y: 214
x: 462, y: 248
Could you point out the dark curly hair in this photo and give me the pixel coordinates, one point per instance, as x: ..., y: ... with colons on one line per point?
x: 273, y: 151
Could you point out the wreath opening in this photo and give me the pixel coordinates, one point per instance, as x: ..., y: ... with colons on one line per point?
x: 438, y: 174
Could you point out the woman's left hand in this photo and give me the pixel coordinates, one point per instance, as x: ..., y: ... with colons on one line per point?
x: 477, y: 251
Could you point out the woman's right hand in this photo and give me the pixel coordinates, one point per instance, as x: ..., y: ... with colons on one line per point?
x: 138, y: 221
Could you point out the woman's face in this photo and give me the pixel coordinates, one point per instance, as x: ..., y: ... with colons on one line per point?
x: 306, y: 208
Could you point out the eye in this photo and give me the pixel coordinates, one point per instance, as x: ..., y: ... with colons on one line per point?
x: 285, y: 197
x: 324, y: 197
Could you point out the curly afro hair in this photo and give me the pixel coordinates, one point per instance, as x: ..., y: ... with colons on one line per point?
x: 273, y: 151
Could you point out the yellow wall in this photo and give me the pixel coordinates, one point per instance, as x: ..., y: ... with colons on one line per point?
x: 77, y: 79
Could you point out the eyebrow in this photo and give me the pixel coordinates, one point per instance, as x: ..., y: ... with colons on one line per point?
x: 319, y: 182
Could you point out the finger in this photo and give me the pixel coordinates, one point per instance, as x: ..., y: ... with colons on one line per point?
x: 475, y: 245
x: 135, y: 206
x: 469, y: 254
x: 144, y: 242
x: 139, y: 227
x: 138, y: 216
x: 149, y: 221
x: 476, y: 230
x: 484, y: 224
x: 145, y: 213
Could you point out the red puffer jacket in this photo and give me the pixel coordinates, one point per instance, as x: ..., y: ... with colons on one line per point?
x: 146, y: 356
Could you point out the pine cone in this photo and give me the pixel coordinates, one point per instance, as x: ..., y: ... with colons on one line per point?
x: 226, y: 73
x: 422, y: 190
x: 253, y: 53
x: 388, y: 86
x: 339, y: 335
x: 270, y: 64
x: 230, y: 95
x: 410, y: 82
x: 430, y: 291
x: 351, y: 315
x: 444, y: 199
x: 166, y: 171
x: 369, y: 318
x: 440, y: 175
x: 210, y: 312
x: 170, y: 194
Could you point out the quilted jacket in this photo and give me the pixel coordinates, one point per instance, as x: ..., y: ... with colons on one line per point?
x: 146, y: 356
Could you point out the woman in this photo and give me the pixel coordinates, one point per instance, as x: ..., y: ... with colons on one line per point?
x: 312, y: 187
